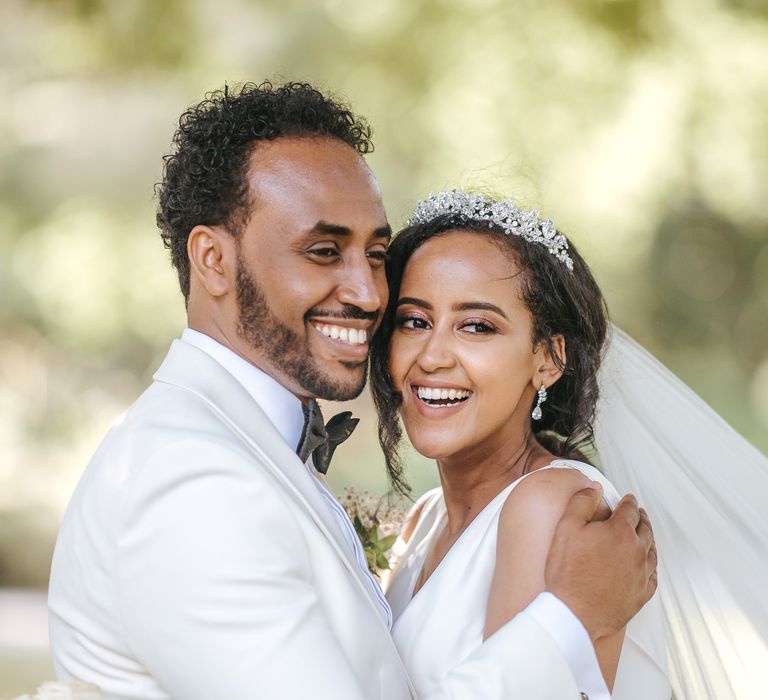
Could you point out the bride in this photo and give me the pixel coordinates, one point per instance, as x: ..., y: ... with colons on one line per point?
x: 490, y: 353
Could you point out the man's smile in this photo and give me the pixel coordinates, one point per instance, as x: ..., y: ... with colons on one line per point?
x: 347, y: 338
x: 348, y: 334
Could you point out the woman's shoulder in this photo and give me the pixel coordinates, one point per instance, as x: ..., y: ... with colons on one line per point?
x: 547, y: 486
x: 542, y: 495
x: 610, y: 493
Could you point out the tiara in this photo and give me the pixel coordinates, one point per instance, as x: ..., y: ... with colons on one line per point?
x: 504, y: 214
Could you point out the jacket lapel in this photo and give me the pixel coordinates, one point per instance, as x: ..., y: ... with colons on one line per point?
x: 190, y: 368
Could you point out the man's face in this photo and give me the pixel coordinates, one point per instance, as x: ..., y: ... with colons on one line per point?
x: 310, y: 270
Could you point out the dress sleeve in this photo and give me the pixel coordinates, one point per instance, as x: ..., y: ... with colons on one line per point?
x: 574, y: 642
x: 521, y: 661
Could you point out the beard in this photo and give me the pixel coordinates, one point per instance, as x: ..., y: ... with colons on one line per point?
x: 288, y: 351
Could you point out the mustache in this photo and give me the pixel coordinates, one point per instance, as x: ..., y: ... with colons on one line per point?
x: 350, y: 311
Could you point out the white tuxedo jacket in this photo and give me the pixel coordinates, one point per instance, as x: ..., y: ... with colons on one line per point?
x: 198, y: 561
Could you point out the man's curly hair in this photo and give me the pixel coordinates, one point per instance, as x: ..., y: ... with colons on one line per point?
x: 205, y: 177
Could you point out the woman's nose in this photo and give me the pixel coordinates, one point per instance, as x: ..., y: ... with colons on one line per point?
x: 437, y: 352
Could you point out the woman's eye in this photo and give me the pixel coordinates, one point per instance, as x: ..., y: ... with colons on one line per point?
x: 412, y: 323
x: 478, y: 327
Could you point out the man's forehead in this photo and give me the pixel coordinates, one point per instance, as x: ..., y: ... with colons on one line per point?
x: 316, y: 180
x: 308, y: 163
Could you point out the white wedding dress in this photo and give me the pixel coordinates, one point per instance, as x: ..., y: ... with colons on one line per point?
x: 441, y: 624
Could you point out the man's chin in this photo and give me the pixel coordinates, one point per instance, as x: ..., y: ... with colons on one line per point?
x: 346, y: 387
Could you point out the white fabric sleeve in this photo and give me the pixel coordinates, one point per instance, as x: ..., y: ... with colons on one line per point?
x: 574, y: 642
x: 520, y: 661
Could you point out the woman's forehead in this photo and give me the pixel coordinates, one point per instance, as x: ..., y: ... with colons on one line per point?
x: 462, y: 256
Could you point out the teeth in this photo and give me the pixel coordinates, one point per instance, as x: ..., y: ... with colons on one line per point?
x: 430, y: 394
x: 352, y: 336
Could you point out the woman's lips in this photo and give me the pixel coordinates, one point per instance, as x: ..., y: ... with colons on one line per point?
x: 439, y: 401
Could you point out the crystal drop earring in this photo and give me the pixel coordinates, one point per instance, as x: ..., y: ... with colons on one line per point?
x: 536, y: 413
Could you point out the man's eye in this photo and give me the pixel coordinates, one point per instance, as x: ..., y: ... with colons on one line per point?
x: 377, y: 257
x: 324, y: 252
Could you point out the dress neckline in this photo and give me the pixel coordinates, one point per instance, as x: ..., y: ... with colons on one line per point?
x: 422, y: 549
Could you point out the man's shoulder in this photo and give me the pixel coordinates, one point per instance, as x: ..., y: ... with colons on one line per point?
x: 169, y: 414
x: 170, y: 430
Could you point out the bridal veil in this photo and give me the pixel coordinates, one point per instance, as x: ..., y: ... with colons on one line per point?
x: 705, y: 488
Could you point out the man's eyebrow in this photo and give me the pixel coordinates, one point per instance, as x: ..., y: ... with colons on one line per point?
x: 464, y: 306
x: 333, y: 229
x: 324, y: 227
x: 383, y: 232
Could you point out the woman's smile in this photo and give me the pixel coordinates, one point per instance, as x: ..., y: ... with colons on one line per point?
x: 439, y: 401
x: 462, y: 353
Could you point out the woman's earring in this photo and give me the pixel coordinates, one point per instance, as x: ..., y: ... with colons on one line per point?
x: 536, y: 413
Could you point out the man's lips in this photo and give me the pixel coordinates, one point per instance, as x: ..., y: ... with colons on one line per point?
x: 352, y: 333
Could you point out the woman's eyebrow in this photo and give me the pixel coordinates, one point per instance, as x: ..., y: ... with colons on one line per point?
x: 415, y: 301
x: 463, y: 306
x: 481, y: 305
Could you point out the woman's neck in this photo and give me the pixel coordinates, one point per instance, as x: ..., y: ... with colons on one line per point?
x: 470, y: 482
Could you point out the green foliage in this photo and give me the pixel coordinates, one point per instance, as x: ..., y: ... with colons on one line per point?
x: 639, y: 126
x: 374, y: 545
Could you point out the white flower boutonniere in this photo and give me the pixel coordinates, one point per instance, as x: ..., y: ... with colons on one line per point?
x: 377, y: 523
x: 65, y: 691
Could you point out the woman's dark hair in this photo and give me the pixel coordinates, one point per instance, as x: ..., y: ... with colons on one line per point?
x: 561, y: 302
x: 204, y: 179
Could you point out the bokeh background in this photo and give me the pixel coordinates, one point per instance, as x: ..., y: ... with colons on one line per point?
x: 639, y: 126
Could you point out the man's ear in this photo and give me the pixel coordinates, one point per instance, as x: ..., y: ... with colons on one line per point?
x: 210, y: 251
x: 548, y: 369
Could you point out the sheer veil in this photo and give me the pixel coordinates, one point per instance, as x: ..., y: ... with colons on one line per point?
x: 705, y: 488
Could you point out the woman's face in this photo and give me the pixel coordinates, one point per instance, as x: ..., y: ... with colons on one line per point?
x: 461, y: 352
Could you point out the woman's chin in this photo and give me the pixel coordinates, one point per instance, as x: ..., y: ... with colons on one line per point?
x: 432, y: 448
x: 440, y: 441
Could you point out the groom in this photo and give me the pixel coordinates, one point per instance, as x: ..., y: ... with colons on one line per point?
x: 200, y: 557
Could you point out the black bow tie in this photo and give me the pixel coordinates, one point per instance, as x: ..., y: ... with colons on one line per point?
x: 319, y: 439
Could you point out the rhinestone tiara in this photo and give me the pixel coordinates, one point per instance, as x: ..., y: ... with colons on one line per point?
x: 504, y: 214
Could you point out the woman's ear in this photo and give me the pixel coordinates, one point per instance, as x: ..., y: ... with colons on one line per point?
x: 208, y: 248
x: 550, y: 366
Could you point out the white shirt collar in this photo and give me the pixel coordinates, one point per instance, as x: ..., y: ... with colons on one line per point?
x: 281, y: 407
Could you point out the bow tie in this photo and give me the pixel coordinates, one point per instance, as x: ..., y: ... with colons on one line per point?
x: 319, y: 439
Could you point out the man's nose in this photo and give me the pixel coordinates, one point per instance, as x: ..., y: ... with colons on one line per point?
x: 360, y: 287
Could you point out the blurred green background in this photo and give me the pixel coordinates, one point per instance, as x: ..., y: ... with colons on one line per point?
x: 639, y: 126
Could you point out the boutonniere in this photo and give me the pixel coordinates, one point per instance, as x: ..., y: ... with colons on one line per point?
x: 377, y: 523
x: 65, y: 691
